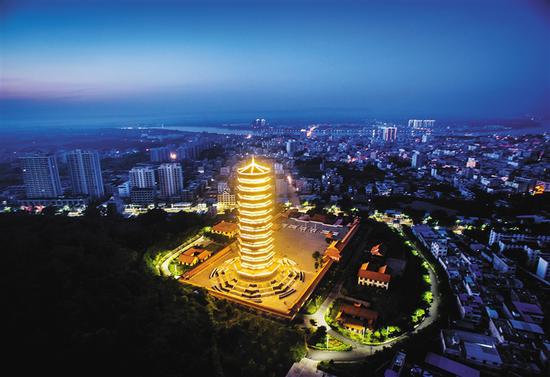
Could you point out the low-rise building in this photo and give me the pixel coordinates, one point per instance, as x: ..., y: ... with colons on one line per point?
x: 543, y: 266
x: 439, y: 248
x: 226, y: 200
x: 528, y: 312
x: 471, y: 347
x: 377, y: 278
x: 425, y: 234
x: 226, y: 228
x: 356, y: 317
x: 193, y: 255
x: 54, y: 202
x: 142, y: 196
x: 516, y: 235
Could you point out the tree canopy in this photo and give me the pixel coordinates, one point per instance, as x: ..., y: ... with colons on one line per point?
x: 79, y: 301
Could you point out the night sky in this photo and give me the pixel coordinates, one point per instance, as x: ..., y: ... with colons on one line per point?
x: 208, y: 60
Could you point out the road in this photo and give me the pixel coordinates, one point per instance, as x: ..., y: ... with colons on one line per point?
x: 360, y: 351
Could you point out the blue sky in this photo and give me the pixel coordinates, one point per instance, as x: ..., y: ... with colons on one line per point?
x: 395, y: 59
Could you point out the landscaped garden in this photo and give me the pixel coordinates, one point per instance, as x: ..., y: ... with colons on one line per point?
x: 320, y: 340
x: 403, y: 305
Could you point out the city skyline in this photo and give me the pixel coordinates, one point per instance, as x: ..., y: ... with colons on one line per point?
x: 275, y: 188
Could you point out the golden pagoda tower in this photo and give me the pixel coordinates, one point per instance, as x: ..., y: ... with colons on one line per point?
x: 256, y: 273
x: 255, y: 207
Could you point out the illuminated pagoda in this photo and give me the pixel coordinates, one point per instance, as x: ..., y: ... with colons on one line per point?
x: 256, y: 272
x: 255, y: 203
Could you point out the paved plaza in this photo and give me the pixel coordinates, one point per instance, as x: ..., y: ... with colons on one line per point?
x: 294, y: 244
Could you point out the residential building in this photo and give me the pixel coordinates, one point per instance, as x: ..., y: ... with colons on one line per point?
x: 389, y: 134
x: 170, y: 180
x: 41, y: 176
x: 471, y: 347
x: 543, y: 270
x: 123, y: 189
x: 54, y: 202
x: 142, y: 196
x: 439, y: 247
x: 160, y: 154
x: 516, y: 235
x: 142, y: 177
x: 85, y: 173
x: 418, y: 160
x: 226, y: 200
x: 291, y: 147
x: 425, y: 234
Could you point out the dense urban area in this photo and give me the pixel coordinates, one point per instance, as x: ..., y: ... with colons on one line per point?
x: 435, y: 257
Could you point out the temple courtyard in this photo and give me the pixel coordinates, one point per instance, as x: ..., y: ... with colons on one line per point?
x: 284, y: 294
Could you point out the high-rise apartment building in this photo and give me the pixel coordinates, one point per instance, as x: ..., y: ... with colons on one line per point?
x: 291, y: 147
x: 389, y: 134
x: 41, y: 176
x: 421, y: 123
x: 418, y: 160
x: 421, y: 127
x: 85, y: 173
x: 160, y: 154
x: 142, y: 185
x: 142, y: 177
x: 259, y: 123
x: 170, y: 180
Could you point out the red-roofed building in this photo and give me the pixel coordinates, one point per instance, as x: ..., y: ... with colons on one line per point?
x: 187, y: 260
x: 333, y: 252
x: 204, y: 255
x: 356, y: 317
x: 193, y: 255
x: 225, y: 228
x: 378, y: 278
x: 352, y: 324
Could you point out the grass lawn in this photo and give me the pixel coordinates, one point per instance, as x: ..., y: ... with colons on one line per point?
x: 175, y: 269
x: 332, y: 344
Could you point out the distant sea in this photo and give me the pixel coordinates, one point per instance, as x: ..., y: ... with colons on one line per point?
x: 514, y: 129
x: 239, y: 123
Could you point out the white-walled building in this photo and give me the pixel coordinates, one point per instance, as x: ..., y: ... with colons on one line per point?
x: 170, y: 180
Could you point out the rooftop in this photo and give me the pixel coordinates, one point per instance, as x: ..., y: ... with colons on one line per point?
x: 450, y: 366
x: 526, y: 326
x: 379, y: 275
x: 254, y: 168
x: 359, y: 312
x: 225, y: 227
